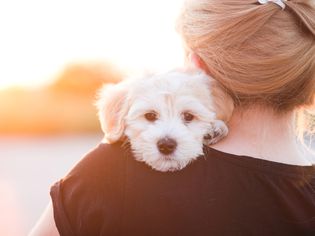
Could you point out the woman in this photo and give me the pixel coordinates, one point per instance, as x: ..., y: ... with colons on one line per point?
x: 257, y: 181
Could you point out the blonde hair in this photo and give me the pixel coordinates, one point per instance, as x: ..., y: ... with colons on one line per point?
x: 260, y: 54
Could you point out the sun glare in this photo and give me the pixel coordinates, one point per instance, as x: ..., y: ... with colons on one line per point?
x: 39, y: 37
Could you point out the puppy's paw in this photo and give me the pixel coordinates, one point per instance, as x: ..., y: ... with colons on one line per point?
x: 217, y: 131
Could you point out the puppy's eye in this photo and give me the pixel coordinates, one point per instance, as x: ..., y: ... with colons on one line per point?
x: 151, y: 116
x: 188, y: 117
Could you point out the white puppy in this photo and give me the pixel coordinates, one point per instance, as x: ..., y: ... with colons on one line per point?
x: 166, y: 118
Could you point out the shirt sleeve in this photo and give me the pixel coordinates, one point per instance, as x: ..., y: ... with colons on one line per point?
x: 89, y: 200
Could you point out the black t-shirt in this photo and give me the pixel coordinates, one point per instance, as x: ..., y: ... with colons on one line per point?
x: 109, y: 193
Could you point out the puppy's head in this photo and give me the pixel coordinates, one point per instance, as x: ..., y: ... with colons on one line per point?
x: 165, y: 117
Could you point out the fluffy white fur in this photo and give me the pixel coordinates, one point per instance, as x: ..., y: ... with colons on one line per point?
x: 187, y: 108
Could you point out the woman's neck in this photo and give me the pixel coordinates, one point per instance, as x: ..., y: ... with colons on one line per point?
x: 260, y: 133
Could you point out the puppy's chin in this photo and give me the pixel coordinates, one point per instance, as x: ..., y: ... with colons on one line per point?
x: 168, y: 164
x: 164, y: 163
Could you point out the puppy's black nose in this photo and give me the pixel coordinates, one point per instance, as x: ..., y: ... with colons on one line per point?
x: 166, y: 145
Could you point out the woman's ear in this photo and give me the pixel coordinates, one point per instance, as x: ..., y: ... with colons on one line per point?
x: 197, y: 62
x: 112, y: 108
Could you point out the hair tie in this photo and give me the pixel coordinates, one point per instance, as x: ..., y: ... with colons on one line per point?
x: 280, y: 3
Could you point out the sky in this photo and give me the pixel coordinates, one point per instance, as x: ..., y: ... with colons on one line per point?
x: 39, y: 37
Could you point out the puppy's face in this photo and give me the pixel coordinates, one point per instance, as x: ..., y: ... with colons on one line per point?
x: 166, y: 118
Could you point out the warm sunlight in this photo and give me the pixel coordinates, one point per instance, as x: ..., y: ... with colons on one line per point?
x: 39, y: 37
x: 61, y: 52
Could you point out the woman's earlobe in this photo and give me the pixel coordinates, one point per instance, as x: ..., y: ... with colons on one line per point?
x: 197, y: 61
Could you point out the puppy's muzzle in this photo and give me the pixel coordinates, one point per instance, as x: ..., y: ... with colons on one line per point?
x: 166, y: 145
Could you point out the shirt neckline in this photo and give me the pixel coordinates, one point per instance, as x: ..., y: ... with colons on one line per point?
x: 261, y: 164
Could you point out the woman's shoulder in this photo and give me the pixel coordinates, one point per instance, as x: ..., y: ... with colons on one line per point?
x: 104, y: 159
x: 105, y: 153
x: 94, y: 186
x: 100, y: 167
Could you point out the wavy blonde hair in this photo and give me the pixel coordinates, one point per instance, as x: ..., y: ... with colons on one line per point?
x: 260, y: 54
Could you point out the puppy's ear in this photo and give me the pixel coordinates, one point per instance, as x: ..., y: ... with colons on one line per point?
x: 113, y: 106
x: 223, y: 103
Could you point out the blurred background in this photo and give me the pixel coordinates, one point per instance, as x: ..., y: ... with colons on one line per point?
x: 54, y: 56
